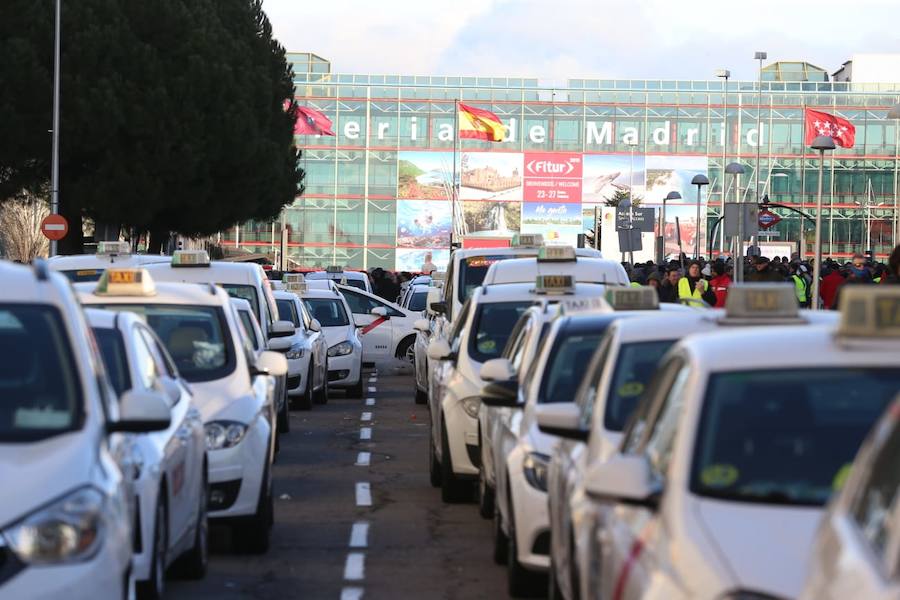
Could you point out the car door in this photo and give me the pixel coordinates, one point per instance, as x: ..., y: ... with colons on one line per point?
x: 376, y: 332
x: 318, y: 347
x: 152, y: 371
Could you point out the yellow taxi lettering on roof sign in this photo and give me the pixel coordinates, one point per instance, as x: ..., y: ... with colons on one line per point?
x: 292, y: 277
x: 626, y: 298
x: 550, y: 284
x: 870, y: 311
x: 125, y: 282
x: 762, y: 301
x: 117, y: 276
x: 583, y: 304
x: 528, y: 239
x: 556, y: 254
x: 190, y: 258
x: 297, y: 287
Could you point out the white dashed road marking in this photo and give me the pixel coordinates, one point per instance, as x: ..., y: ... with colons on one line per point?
x: 355, y: 567
x: 362, y: 459
x: 371, y: 389
x: 351, y: 593
x: 370, y: 401
x: 363, y: 494
x: 359, y: 535
x: 365, y: 433
x: 366, y: 416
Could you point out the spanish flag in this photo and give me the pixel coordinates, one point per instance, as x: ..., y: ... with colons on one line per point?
x: 478, y: 124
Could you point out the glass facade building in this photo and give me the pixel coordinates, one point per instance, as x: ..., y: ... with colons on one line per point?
x: 378, y: 193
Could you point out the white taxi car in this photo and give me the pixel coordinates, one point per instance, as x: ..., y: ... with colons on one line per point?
x: 171, y: 485
x: 345, y: 351
x: 386, y: 329
x: 233, y: 389
x: 725, y: 469
x: 89, y: 267
x: 66, y: 527
x: 479, y: 334
x: 307, y: 356
x: 856, y: 553
x: 557, y: 260
x: 337, y: 274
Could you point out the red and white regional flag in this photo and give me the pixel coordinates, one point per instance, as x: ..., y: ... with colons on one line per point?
x: 818, y: 123
x: 311, y: 122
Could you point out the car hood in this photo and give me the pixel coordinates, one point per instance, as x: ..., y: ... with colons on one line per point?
x: 217, y: 400
x: 766, y: 546
x: 336, y: 335
x: 42, y: 471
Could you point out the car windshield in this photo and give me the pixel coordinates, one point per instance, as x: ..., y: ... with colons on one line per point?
x: 195, y: 336
x: 246, y: 292
x: 635, y: 365
x: 417, y: 302
x: 112, y: 349
x: 329, y: 312
x: 492, y: 327
x: 472, y: 271
x: 83, y: 275
x: 357, y: 283
x: 570, y: 354
x: 287, y: 311
x: 786, y: 437
x: 40, y: 394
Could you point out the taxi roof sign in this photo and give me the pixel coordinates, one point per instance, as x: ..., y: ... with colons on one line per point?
x: 870, y: 311
x: 554, y: 284
x: 292, y: 278
x: 125, y: 282
x: 581, y: 304
x: 528, y: 240
x: 556, y: 254
x: 334, y: 269
x: 297, y: 287
x: 633, y: 298
x: 756, y: 302
x: 113, y: 248
x: 190, y: 258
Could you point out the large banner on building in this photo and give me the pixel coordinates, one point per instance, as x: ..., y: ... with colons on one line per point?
x: 552, y: 195
x: 423, y: 223
x: 491, y: 193
x: 667, y: 174
x: 424, y: 175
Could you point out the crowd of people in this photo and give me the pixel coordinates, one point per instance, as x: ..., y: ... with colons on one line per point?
x: 707, y: 282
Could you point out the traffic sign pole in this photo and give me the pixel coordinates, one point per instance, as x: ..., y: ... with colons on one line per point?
x: 54, y: 170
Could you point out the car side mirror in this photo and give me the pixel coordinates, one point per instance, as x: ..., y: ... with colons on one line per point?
x: 439, y: 350
x: 280, y: 344
x: 315, y: 326
x: 422, y: 325
x: 380, y: 311
x: 562, y: 420
x: 623, y: 478
x: 439, y: 307
x: 172, y: 389
x: 501, y: 394
x: 141, y: 412
x: 497, y: 369
x: 281, y: 329
x: 271, y: 363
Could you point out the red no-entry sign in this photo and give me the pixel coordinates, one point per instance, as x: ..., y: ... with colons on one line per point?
x: 54, y: 227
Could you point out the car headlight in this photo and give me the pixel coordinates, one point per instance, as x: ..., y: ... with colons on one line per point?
x: 295, y: 352
x: 471, y: 406
x: 342, y: 349
x: 223, y: 434
x: 535, y: 469
x: 68, y: 530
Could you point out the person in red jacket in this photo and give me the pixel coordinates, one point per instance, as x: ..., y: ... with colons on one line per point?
x: 720, y: 283
x: 830, y: 286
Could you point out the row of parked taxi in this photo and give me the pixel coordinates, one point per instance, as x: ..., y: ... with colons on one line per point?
x: 625, y: 449
x: 144, y: 397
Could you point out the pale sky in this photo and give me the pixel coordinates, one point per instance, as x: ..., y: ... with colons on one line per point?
x: 559, y: 39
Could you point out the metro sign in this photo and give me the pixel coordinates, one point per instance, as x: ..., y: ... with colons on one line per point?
x: 768, y: 219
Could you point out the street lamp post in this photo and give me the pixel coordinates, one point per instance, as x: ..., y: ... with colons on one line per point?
x: 894, y: 113
x: 699, y: 180
x: 820, y: 143
x: 724, y: 74
x: 736, y: 170
x: 632, y: 146
x: 54, y: 160
x: 662, y: 225
x: 760, y: 56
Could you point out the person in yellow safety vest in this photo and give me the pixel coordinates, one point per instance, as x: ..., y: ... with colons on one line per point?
x: 693, y: 288
x: 801, y: 286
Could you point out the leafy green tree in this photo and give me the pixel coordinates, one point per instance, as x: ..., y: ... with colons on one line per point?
x: 620, y: 197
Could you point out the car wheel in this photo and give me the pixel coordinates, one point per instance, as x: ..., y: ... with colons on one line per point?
x: 305, y: 401
x: 407, y: 350
x: 254, y: 534
x: 194, y: 563
x: 434, y: 469
x: 154, y: 587
x: 501, y: 543
x: 452, y: 489
x: 521, y: 583
x: 421, y: 397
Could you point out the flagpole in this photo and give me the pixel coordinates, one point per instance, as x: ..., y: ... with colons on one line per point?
x: 454, y: 194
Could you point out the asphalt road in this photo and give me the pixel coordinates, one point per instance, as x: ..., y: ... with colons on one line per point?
x: 410, y: 544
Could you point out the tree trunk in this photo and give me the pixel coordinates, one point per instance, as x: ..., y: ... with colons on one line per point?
x: 158, y: 240
x: 73, y: 243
